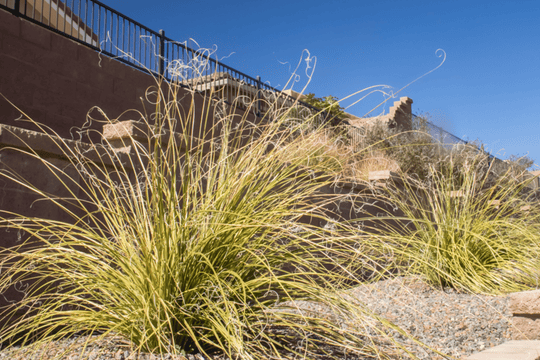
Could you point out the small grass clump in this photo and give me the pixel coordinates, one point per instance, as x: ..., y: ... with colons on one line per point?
x: 186, y: 244
x: 343, y: 158
x: 468, y: 229
x: 457, y: 216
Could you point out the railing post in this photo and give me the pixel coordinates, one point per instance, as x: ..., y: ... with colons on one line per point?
x: 258, y: 95
x: 161, y: 67
x: 17, y: 9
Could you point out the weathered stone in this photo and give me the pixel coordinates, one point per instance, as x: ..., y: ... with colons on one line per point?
x: 526, y: 327
x: 510, y: 350
x: 126, y: 129
x: 381, y: 175
x: 525, y: 302
x: 525, y: 308
x: 399, y: 115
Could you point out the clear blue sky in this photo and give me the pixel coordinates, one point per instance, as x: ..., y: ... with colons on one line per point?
x: 488, y: 88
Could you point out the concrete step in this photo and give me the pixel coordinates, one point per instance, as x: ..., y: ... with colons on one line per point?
x: 511, y: 350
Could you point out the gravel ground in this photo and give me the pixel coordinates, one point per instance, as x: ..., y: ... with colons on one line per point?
x: 454, y: 323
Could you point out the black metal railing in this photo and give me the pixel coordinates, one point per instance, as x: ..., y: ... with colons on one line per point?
x: 106, y: 30
x: 442, y: 136
x: 438, y: 135
x: 448, y: 140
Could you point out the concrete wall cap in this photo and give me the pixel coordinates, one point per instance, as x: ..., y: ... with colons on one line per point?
x: 382, y: 175
x: 406, y: 99
x: 23, y: 138
x: 11, y: 136
x: 125, y: 129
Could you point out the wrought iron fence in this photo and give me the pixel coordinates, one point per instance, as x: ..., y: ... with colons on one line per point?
x: 104, y: 29
x: 442, y: 136
x: 448, y: 140
x: 438, y: 135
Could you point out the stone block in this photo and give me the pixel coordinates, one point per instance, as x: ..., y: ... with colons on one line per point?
x: 18, y: 82
x: 73, y: 110
x: 22, y: 76
x: 30, y: 54
x: 126, y: 130
x: 61, y: 85
x: 525, y: 308
x: 525, y: 302
x: 381, y: 175
x: 89, y: 58
x: 64, y: 46
x: 47, y: 102
x: 85, y: 92
x: 125, y: 88
x: 526, y: 327
x: 114, y: 68
x: 95, y: 78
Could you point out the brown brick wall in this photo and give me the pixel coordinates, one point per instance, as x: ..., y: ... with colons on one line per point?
x: 56, y: 81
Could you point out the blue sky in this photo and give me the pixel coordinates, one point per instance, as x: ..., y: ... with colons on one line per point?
x: 488, y: 88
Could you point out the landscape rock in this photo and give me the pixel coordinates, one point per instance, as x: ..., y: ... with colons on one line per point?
x: 525, y: 302
x: 525, y: 309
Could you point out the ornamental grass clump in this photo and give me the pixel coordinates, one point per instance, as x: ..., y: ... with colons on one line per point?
x: 186, y: 244
x: 465, y: 227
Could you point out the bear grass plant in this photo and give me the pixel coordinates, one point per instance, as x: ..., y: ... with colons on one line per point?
x: 459, y: 218
x: 181, y: 244
x: 465, y: 227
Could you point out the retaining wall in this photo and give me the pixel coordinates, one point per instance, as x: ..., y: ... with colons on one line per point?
x: 56, y: 81
x: 16, y: 198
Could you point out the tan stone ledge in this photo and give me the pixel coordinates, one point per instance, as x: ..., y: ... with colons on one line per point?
x: 41, y: 143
